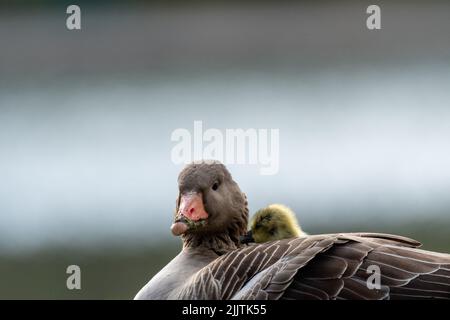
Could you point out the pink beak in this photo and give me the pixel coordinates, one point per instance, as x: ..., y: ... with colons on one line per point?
x: 191, y: 207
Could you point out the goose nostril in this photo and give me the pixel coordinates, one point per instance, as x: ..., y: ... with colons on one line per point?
x: 191, y: 210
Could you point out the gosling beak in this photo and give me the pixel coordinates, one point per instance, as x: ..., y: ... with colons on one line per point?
x: 247, y: 238
x: 191, y: 213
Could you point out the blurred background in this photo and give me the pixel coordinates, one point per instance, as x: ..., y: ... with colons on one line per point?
x: 86, y: 117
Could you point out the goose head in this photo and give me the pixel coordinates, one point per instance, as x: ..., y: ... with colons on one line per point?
x: 211, y: 210
x: 274, y: 222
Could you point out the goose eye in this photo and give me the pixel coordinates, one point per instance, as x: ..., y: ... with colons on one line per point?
x: 215, y: 186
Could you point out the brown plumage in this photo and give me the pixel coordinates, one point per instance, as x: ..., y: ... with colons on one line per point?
x: 332, y: 266
x: 213, y: 265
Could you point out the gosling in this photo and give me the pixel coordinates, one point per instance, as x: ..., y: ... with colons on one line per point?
x: 275, y: 222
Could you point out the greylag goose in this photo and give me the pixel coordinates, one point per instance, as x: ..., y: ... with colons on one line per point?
x: 211, y: 215
x: 275, y: 222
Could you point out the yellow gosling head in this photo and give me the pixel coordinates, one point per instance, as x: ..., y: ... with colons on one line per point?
x: 272, y: 223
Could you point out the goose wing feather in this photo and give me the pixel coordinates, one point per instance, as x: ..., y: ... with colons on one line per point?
x: 330, y: 266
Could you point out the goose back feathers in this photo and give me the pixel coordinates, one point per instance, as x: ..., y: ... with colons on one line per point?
x: 332, y: 266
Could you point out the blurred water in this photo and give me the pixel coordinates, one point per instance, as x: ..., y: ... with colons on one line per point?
x: 88, y: 159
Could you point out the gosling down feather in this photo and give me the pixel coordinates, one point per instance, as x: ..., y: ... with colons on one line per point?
x: 275, y: 222
x: 211, y: 216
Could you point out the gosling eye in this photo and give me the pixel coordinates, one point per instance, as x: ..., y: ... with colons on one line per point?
x: 215, y: 186
x: 272, y: 232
